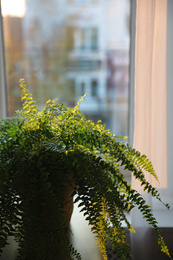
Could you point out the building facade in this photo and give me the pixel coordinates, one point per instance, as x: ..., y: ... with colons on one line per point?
x: 73, y: 47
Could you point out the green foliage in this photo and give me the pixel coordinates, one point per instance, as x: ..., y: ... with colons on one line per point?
x: 43, y: 150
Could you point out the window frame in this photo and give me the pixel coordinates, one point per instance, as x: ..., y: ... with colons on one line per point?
x: 3, y: 96
x: 132, y: 70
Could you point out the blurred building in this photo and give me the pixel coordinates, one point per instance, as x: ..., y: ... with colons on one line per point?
x: 14, y: 53
x: 73, y: 47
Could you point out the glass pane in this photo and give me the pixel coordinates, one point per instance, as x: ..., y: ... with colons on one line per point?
x: 65, y: 48
x: 94, y: 38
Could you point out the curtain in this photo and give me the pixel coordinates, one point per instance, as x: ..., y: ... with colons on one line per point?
x: 150, y: 84
x: 149, y: 105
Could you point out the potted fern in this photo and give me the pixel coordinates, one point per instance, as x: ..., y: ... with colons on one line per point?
x: 46, y: 154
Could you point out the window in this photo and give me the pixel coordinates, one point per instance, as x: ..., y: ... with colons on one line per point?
x: 84, y: 38
x: 78, y: 48
x: 81, y: 38
x: 94, y: 38
x: 94, y: 88
x: 82, y: 88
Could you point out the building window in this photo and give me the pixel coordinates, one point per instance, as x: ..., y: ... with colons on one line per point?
x: 94, y: 38
x: 94, y: 88
x: 82, y: 91
x: 84, y: 38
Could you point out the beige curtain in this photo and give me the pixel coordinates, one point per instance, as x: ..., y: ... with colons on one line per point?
x: 150, y: 85
x: 149, y: 109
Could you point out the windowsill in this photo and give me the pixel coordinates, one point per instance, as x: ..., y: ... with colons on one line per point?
x: 82, y: 238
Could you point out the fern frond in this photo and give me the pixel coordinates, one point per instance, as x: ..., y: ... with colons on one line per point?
x: 29, y: 105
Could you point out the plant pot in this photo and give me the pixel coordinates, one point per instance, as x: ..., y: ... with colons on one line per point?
x: 68, y: 203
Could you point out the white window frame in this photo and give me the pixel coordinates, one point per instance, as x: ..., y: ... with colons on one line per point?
x: 3, y: 102
x: 132, y: 70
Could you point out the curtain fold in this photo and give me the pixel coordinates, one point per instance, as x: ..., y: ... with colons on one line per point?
x: 149, y: 108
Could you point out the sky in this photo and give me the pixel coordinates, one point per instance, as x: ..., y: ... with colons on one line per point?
x: 13, y: 8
